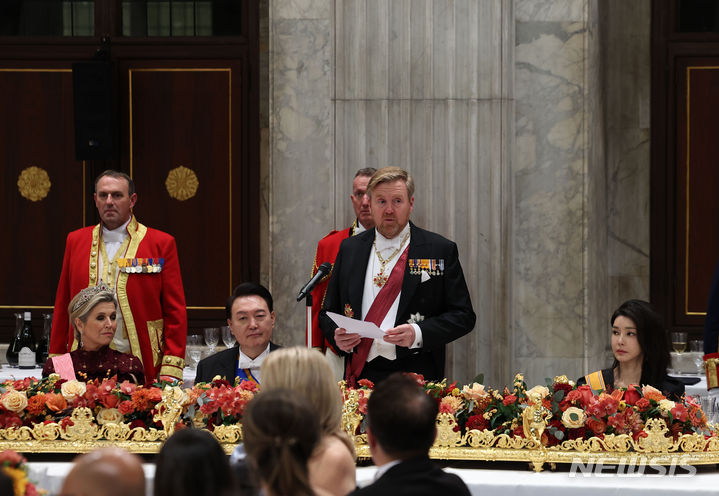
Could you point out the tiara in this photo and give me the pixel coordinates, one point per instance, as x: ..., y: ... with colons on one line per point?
x: 89, y: 293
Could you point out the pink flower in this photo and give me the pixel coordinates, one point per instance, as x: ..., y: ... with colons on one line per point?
x: 127, y: 387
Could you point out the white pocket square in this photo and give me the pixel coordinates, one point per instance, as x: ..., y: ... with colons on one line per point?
x: 425, y: 276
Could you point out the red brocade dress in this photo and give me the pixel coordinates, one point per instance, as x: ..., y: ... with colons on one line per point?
x: 102, y: 364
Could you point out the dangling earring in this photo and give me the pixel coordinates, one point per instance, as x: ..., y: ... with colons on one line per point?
x: 79, y: 341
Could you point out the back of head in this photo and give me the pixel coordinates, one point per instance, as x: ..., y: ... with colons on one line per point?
x: 248, y: 289
x: 192, y: 462
x: 106, y: 472
x: 652, y: 336
x: 281, y: 431
x: 307, y: 371
x: 402, y: 417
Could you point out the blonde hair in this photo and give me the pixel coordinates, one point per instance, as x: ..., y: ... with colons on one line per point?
x: 390, y: 175
x: 307, y: 371
x: 85, y: 301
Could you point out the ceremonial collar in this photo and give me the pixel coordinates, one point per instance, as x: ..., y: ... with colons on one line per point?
x: 249, y: 363
x: 383, y: 243
x: 357, y: 228
x: 116, y: 235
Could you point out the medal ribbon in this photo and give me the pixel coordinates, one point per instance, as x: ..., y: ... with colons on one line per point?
x: 376, y: 314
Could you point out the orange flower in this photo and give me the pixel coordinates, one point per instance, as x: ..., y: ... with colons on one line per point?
x: 36, y: 404
x: 652, y: 393
x: 141, y: 399
x: 55, y: 402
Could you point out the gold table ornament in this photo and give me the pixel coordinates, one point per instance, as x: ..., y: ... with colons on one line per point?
x: 33, y: 183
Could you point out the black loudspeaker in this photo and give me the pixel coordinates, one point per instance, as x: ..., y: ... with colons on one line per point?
x: 95, y: 126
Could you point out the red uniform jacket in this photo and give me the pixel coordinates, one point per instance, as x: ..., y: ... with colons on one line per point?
x: 327, y: 250
x: 152, y: 304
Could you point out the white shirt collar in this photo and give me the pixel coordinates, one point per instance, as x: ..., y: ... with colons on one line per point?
x: 382, y: 469
x: 117, y: 235
x: 249, y: 363
x: 383, y: 243
x: 358, y: 228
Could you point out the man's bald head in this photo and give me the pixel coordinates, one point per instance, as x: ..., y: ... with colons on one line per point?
x: 106, y: 472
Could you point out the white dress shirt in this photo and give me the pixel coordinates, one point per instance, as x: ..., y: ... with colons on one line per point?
x: 386, y: 247
x: 113, y: 239
x: 254, y: 364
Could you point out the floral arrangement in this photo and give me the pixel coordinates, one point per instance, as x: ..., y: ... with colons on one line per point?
x: 13, y: 465
x: 52, y: 399
x: 571, y: 412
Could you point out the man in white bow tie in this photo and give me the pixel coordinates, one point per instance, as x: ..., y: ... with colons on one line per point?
x: 251, y: 319
x: 406, y: 280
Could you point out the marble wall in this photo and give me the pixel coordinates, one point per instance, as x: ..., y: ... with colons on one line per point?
x: 501, y: 111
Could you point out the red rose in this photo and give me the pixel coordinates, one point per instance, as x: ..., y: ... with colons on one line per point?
x: 55, y: 402
x: 639, y: 434
x: 632, y: 395
x: 137, y: 423
x: 109, y: 400
x: 509, y: 399
x: 8, y: 420
x: 562, y: 386
x: 477, y: 422
x: 585, y: 393
x: 126, y: 407
x: 596, y: 426
x: 518, y: 431
x: 577, y: 433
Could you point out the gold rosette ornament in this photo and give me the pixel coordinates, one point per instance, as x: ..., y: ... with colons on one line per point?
x: 33, y: 183
x: 181, y: 183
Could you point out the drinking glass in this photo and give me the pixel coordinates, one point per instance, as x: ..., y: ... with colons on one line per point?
x: 194, y: 348
x: 227, y: 337
x: 679, y: 341
x: 212, y: 337
x: 696, y: 345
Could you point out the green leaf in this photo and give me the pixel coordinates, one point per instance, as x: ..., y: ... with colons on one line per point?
x: 558, y: 395
x: 479, y: 379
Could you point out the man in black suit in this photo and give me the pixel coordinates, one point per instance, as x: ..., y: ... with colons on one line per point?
x: 406, y: 280
x: 251, y: 319
x: 400, y: 431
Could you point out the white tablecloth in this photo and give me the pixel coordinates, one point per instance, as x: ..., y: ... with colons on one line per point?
x: 519, y: 483
x: 494, y: 481
x: 7, y: 372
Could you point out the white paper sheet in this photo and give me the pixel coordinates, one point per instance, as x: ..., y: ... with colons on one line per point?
x: 364, y: 329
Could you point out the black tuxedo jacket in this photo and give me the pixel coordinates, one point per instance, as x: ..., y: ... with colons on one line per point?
x: 223, y: 364
x: 415, y: 477
x: 443, y: 301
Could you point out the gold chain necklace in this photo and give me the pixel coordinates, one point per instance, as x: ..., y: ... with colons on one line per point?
x: 381, y: 279
x: 108, y: 266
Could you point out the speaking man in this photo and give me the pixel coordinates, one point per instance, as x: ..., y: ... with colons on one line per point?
x: 406, y: 280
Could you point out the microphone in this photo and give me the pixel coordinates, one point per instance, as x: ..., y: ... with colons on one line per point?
x: 322, y: 271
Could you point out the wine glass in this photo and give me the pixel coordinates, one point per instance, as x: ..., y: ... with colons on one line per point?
x: 227, y: 337
x: 212, y: 337
x: 679, y: 341
x: 194, y: 348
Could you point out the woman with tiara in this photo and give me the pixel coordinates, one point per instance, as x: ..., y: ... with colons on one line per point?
x: 92, y: 316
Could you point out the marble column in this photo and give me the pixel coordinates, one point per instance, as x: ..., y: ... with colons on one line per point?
x: 560, y: 281
x: 422, y: 84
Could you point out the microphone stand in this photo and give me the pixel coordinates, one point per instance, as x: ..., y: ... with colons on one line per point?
x: 308, y: 309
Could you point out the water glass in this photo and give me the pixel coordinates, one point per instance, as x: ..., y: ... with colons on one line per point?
x: 227, y: 337
x: 212, y: 337
x: 194, y: 348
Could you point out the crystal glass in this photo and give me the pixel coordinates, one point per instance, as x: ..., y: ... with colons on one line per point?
x: 194, y: 349
x: 679, y: 341
x: 212, y: 337
x: 227, y: 337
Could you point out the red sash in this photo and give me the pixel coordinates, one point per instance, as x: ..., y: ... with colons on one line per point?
x: 376, y: 314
